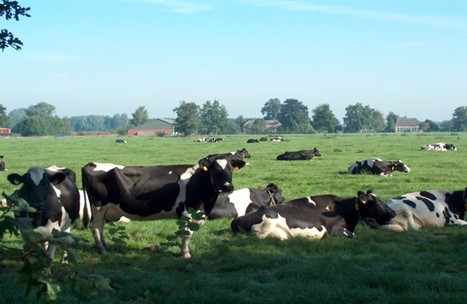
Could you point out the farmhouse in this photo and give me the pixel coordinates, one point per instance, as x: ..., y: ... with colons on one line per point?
x: 404, y: 124
x: 270, y: 125
x: 154, y: 127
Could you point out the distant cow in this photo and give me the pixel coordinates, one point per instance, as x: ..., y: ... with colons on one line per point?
x: 378, y: 167
x: 53, y: 193
x: 440, y: 147
x: 314, y: 217
x: 2, y: 164
x: 151, y: 193
x: 246, y: 200
x: 299, y: 155
x: 238, y: 154
x: 434, y: 208
x: 278, y: 139
x: 252, y: 141
x: 120, y: 141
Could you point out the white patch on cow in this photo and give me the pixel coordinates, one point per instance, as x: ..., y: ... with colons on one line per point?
x: 310, y: 201
x: 222, y: 163
x: 55, y: 168
x: 240, y: 199
x: 278, y: 228
x: 328, y: 208
x: 106, y: 166
x: 57, y: 192
x: 36, y: 175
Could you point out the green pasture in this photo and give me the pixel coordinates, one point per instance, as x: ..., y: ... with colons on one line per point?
x: 375, y: 267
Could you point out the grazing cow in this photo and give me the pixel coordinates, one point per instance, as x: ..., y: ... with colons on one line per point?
x: 314, y: 217
x: 434, y: 208
x: 299, y: 155
x: 440, y: 147
x: 378, y: 167
x: 252, y: 141
x: 120, y: 141
x: 151, y: 193
x: 278, y: 139
x: 53, y: 193
x: 2, y: 164
x: 246, y: 200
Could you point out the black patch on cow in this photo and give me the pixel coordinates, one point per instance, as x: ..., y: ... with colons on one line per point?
x: 409, y: 203
x: 437, y: 215
x: 429, y: 204
x: 428, y: 195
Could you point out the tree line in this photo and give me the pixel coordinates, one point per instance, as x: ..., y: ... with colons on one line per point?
x: 289, y: 116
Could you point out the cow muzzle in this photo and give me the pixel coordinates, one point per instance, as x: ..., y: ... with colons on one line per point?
x: 227, y: 187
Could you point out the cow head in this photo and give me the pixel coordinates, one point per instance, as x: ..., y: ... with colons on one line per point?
x: 316, y: 152
x: 399, y: 166
x: 244, y: 153
x: 220, y: 170
x: 373, y: 209
x: 275, y: 194
x: 36, y: 188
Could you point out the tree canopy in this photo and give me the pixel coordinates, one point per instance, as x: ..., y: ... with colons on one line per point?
x: 294, y: 117
x: 323, y: 120
x: 11, y: 10
x: 188, y: 120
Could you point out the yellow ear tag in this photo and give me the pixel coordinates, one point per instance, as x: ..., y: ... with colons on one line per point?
x: 363, y: 202
x: 205, y: 168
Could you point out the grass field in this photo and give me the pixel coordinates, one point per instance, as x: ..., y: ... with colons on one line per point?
x: 375, y: 267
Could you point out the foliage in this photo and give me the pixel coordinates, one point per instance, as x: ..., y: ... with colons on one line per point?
x: 359, y: 118
x: 429, y: 126
x: 214, y: 117
x: 15, y: 116
x: 324, y: 120
x: 140, y: 116
x: 188, y: 121
x: 41, y: 126
x: 391, y: 120
x: 271, y: 109
x: 459, y: 119
x: 99, y: 123
x: 4, y: 119
x: 11, y: 10
x: 42, y: 109
x: 294, y: 117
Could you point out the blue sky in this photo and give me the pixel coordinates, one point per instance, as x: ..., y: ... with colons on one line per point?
x: 109, y: 57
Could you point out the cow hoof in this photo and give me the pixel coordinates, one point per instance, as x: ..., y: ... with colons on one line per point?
x: 186, y: 256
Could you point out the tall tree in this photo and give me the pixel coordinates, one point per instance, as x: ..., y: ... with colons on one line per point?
x: 294, y: 117
x: 391, y: 120
x: 323, y: 119
x: 16, y: 115
x: 188, y: 119
x: 214, y: 117
x: 271, y: 109
x: 140, y: 116
x: 42, y: 109
x: 4, y: 119
x: 459, y: 119
x: 359, y: 118
x: 429, y: 126
x: 11, y: 10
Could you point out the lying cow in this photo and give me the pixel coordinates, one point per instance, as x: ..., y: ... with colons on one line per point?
x: 158, y: 192
x: 53, y: 193
x: 440, y: 147
x: 378, y: 167
x: 434, y: 208
x: 238, y: 154
x: 314, y: 217
x: 246, y: 200
x: 299, y: 155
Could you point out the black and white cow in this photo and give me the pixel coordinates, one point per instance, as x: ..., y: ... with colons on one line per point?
x: 120, y: 141
x: 252, y: 141
x: 2, y: 164
x: 377, y: 166
x: 440, y: 147
x: 299, y: 155
x: 434, y: 208
x: 246, y: 200
x: 54, y: 194
x: 239, y: 154
x: 314, y: 217
x: 158, y: 192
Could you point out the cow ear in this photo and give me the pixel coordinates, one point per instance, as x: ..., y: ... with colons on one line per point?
x: 205, y: 164
x: 15, y: 179
x: 57, y: 178
x: 237, y: 163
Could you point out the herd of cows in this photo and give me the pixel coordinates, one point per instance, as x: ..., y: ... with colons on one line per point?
x: 111, y: 192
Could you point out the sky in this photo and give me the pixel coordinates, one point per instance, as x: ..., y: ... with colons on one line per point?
x: 106, y: 57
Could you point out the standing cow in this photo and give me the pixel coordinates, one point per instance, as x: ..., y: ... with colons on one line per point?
x: 433, y: 208
x: 314, y: 217
x: 246, y: 200
x: 378, y: 166
x: 53, y: 193
x: 158, y: 192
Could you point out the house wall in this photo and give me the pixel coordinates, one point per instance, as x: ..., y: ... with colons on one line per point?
x: 149, y: 132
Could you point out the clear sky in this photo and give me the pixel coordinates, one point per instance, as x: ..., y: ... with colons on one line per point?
x: 109, y: 57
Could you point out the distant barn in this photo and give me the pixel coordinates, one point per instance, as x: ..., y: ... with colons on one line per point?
x: 154, y: 127
x: 404, y: 124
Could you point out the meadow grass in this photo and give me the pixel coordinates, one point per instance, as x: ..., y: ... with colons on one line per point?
x: 376, y: 266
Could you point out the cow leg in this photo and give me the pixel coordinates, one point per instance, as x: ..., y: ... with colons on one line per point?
x: 97, y: 228
x: 189, y: 233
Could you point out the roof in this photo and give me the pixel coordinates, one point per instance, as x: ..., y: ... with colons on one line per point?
x: 407, y: 122
x: 156, y: 124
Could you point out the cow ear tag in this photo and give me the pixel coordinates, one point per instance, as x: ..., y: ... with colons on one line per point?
x: 205, y: 168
